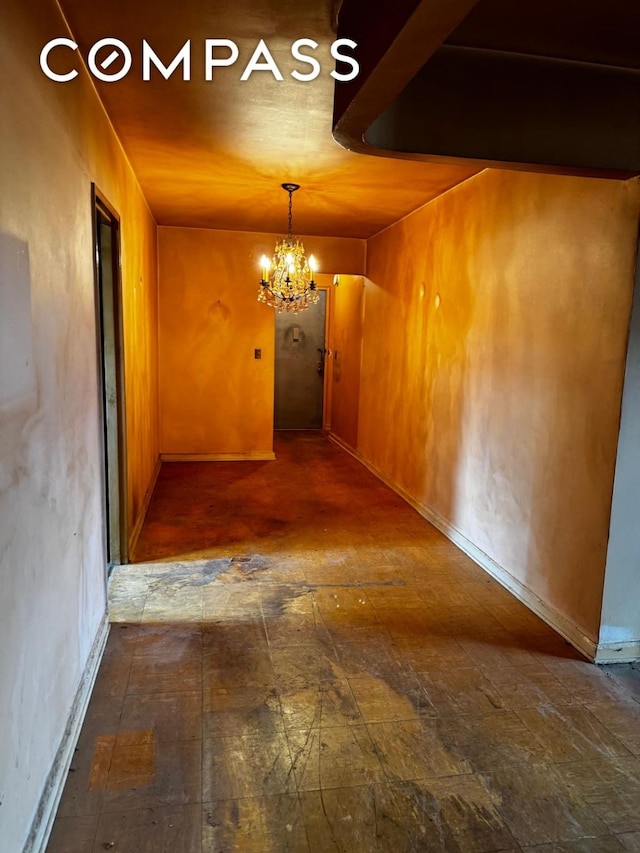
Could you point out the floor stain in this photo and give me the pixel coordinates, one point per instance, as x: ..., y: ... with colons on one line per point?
x: 338, y: 685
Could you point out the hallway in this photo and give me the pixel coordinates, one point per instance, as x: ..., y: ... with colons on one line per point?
x: 300, y: 662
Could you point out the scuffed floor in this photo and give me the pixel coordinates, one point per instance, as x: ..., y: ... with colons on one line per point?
x: 303, y: 663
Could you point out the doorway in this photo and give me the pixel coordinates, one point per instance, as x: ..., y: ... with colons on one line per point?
x: 299, y: 367
x: 108, y: 301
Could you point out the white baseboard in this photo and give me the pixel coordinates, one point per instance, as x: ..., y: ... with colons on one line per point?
x: 250, y: 456
x: 54, y: 786
x: 627, y: 652
x: 574, y: 635
x: 135, y: 533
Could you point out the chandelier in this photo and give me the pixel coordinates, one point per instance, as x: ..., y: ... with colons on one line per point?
x: 287, y: 279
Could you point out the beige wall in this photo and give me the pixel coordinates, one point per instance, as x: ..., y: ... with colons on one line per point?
x: 55, y: 141
x: 215, y: 397
x: 498, y: 411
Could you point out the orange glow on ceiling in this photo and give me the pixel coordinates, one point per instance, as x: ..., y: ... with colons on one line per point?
x: 213, y: 154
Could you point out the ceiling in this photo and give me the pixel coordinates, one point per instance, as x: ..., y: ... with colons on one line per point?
x: 541, y: 85
x: 596, y: 31
x: 213, y: 154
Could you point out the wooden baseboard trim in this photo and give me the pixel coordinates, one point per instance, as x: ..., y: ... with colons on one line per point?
x: 572, y: 633
x: 343, y: 444
x: 249, y: 456
x: 50, y: 799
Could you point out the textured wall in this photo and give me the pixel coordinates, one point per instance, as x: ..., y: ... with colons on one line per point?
x: 494, y: 343
x: 348, y: 301
x: 140, y: 321
x: 214, y: 396
x: 55, y: 141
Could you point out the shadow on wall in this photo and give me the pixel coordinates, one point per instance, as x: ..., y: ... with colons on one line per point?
x: 18, y: 387
x: 549, y: 342
x: 493, y: 351
x: 418, y: 312
x: 444, y: 358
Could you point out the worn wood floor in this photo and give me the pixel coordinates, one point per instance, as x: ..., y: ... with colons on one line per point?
x: 300, y: 662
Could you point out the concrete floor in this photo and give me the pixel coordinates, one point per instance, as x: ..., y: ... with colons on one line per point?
x: 301, y: 662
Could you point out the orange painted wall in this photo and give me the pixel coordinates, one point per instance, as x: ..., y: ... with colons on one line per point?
x: 214, y: 396
x: 56, y: 140
x: 498, y: 411
x: 140, y: 322
x: 346, y: 343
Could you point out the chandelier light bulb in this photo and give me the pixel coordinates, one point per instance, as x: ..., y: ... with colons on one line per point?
x: 287, y: 280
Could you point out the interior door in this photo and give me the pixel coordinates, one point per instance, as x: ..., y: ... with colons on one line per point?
x: 299, y: 370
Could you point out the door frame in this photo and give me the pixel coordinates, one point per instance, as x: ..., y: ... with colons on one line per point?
x: 328, y: 356
x: 100, y: 206
x: 327, y: 376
